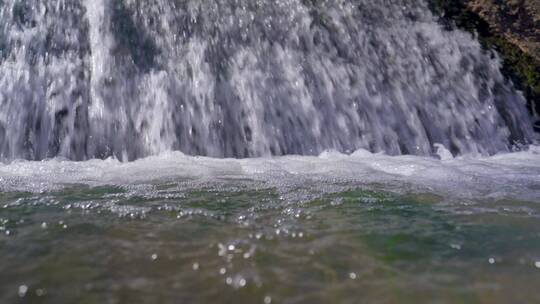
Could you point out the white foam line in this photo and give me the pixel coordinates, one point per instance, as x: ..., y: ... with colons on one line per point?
x: 512, y: 175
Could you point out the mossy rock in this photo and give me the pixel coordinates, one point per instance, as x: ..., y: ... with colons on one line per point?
x: 522, y: 68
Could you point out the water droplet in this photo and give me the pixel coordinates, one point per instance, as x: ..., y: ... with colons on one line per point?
x: 228, y: 281
x: 195, y: 266
x: 154, y: 256
x: 23, y: 289
x: 491, y: 260
x: 231, y: 247
x: 242, y: 282
x: 267, y: 300
x: 40, y: 292
x: 352, y: 275
x: 455, y: 246
x: 44, y: 225
x: 223, y: 271
x: 537, y: 264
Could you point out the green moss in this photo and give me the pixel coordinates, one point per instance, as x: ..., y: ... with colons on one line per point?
x: 521, y: 68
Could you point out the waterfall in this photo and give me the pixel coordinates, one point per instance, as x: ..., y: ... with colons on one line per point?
x: 88, y: 79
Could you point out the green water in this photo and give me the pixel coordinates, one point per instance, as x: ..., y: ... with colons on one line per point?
x: 162, y: 243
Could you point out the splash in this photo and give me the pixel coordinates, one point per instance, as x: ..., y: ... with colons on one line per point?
x: 87, y: 79
x: 502, y: 176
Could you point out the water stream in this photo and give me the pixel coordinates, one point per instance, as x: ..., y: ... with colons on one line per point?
x: 89, y: 79
x: 255, y: 151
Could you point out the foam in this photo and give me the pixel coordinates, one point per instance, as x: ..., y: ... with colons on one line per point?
x: 503, y: 176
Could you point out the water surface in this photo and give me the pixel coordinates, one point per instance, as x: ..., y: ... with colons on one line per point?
x: 177, y: 229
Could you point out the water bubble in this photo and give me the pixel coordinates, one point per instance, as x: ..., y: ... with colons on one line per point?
x: 537, y: 264
x: 455, y: 246
x: 40, y: 292
x: 231, y: 247
x: 352, y: 275
x: 267, y: 300
x: 195, y: 266
x: 44, y: 225
x: 228, y: 280
x: 223, y: 271
x: 491, y: 260
x: 23, y: 289
x: 154, y: 256
x: 242, y: 282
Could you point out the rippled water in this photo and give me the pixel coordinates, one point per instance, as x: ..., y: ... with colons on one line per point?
x: 328, y: 229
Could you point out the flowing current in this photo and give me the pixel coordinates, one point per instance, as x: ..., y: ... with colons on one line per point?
x: 86, y: 79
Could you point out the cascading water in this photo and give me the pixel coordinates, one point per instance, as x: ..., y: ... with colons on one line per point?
x: 240, y: 78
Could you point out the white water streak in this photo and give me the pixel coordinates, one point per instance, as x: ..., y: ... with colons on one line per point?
x: 131, y: 78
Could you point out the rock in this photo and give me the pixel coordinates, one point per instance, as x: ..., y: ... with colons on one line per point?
x: 512, y: 28
x: 516, y: 20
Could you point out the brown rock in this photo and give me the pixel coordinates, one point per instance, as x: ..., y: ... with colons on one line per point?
x: 517, y: 20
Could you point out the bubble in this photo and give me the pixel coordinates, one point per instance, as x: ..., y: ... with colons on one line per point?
x: 537, y: 264
x: 231, y: 247
x: 242, y: 282
x: 352, y: 275
x: 40, y: 292
x: 223, y: 271
x: 491, y: 260
x: 44, y: 225
x: 195, y: 266
x: 455, y: 246
x: 23, y: 289
x: 267, y: 300
x: 154, y: 256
